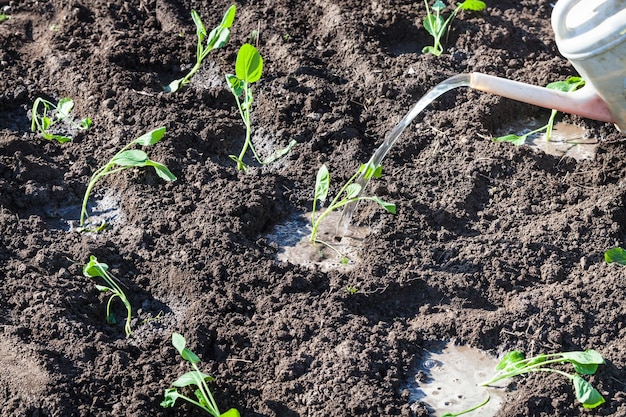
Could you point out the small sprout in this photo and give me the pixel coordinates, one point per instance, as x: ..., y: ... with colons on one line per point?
x: 585, y: 363
x: 98, y: 269
x: 286, y: 37
x: 349, y: 193
x: 351, y: 290
x: 204, y: 398
x: 569, y: 85
x: 437, y: 26
x: 4, y: 17
x: 248, y: 69
x: 127, y: 158
x: 617, y: 255
x: 217, y: 38
x: 46, y: 114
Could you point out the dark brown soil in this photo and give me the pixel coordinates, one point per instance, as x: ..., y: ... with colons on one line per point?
x: 494, y: 246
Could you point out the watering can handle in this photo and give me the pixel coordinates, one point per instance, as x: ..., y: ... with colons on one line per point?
x: 584, y: 102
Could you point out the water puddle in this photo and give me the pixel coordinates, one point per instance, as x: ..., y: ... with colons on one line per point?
x: 295, y: 247
x: 447, y: 381
x: 101, y: 208
x: 566, y: 139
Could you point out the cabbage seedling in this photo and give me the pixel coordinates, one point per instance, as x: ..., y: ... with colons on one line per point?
x: 617, y: 255
x: 217, y: 38
x: 347, y: 194
x: 128, y: 158
x: 569, y: 85
x: 204, y: 398
x: 98, y: 269
x: 585, y: 363
x: 248, y: 69
x: 46, y: 114
x: 437, y: 26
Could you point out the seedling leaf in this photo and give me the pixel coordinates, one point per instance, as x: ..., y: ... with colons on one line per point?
x: 434, y: 24
x: 179, y: 342
x: 171, y: 395
x: 569, y: 85
x: 161, y: 170
x: 200, y: 29
x: 131, y: 158
x: 586, y: 393
x: 439, y: 6
x: 229, y: 17
x: 64, y: 107
x: 322, y: 184
x: 511, y: 359
x: 249, y: 64
x: 389, y: 207
x: 191, y: 378
x: 473, y: 5
x: 514, y: 139
x: 151, y: 137
x: 588, y: 357
x: 353, y: 190
x: 615, y: 255
x: 279, y: 153
x: 218, y: 37
x: 233, y: 412
x: 235, y: 84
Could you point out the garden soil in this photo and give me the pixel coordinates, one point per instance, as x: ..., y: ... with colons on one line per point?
x: 493, y: 246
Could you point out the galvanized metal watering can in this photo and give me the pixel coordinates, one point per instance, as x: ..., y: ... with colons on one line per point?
x: 591, y: 34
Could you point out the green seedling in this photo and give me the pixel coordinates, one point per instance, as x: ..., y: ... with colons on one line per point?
x: 98, y: 269
x: 585, y: 363
x: 4, y: 17
x: 617, y: 255
x: 437, y: 26
x: 204, y: 398
x: 46, y: 114
x: 217, y: 38
x: 349, y: 193
x: 569, y: 85
x: 248, y: 69
x: 128, y: 158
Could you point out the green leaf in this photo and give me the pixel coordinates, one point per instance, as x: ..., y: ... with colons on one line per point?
x: 615, y: 255
x: 64, y: 107
x: 249, y: 65
x: 322, y: 184
x: 200, y: 29
x: 513, y: 358
x: 229, y: 17
x: 370, y: 171
x: 179, y: 342
x: 438, y: 6
x: 588, y: 357
x: 434, y: 25
x: 571, y: 84
x: 58, y: 138
x: 151, y: 137
x: 201, y: 398
x: 45, y: 123
x: 389, y: 207
x: 586, y: 393
x: 172, y: 87
x: 86, y: 123
x: 233, y: 412
x: 131, y: 158
x: 474, y: 5
x: 235, y: 84
x: 218, y: 37
x: 94, y: 268
x: 171, y: 395
x: 191, y: 378
x: 431, y: 50
x: 103, y: 288
x: 514, y: 139
x: 161, y: 170
x: 353, y: 190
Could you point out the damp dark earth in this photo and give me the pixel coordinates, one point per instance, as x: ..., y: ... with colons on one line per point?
x: 493, y: 247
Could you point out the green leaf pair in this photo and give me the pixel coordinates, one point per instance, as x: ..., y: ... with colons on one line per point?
x: 46, y: 114
x: 349, y: 193
x: 217, y: 38
x: 124, y: 159
x: 437, y: 26
x: 584, y: 363
x: 98, y: 269
x: 203, y: 397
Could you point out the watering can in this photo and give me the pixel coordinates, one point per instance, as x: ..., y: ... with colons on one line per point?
x: 591, y: 34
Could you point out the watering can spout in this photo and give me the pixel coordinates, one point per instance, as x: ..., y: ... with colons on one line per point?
x: 584, y: 102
